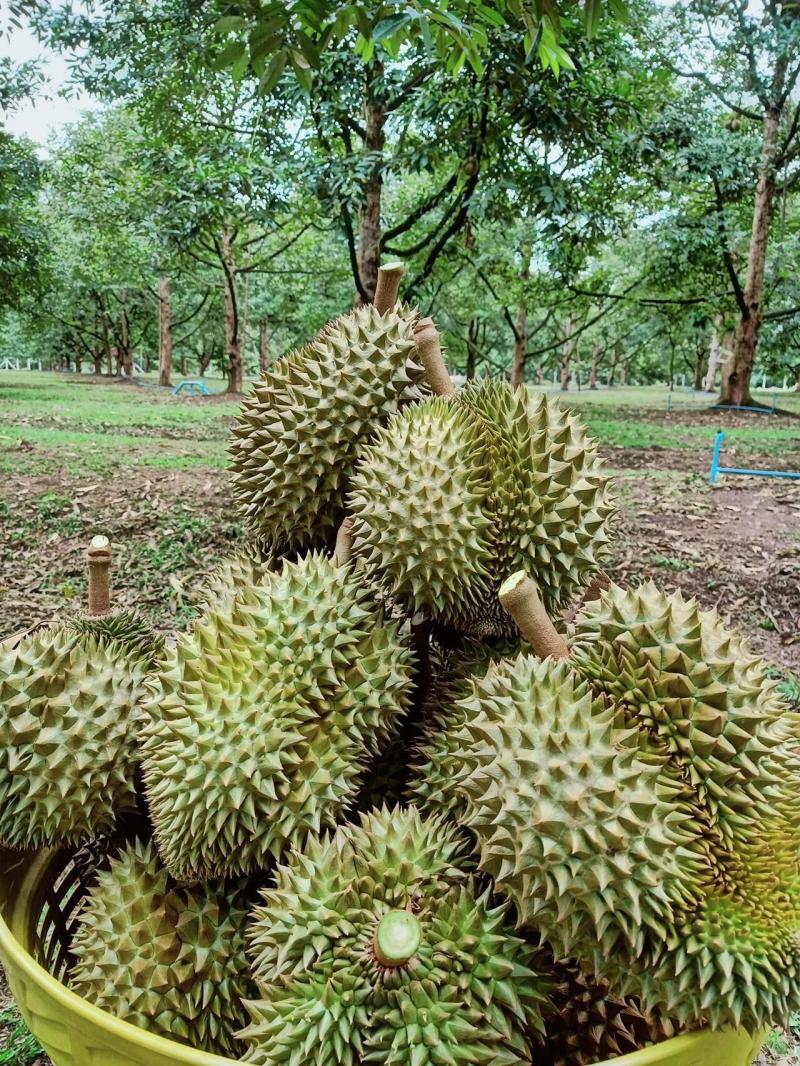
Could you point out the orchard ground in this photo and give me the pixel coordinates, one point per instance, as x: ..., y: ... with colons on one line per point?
x: 80, y: 456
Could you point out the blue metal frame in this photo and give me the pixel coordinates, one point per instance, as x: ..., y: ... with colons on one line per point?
x: 717, y: 469
x: 722, y: 407
x: 193, y: 388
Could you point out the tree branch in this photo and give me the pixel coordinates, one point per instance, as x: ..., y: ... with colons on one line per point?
x: 744, y: 310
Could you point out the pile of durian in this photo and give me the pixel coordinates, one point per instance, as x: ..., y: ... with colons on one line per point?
x: 420, y: 786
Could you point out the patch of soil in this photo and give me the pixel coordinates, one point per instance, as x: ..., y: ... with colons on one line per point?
x: 736, y: 547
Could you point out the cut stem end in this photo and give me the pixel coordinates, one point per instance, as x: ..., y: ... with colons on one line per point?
x: 397, y: 938
x: 98, y: 556
x: 429, y: 349
x: 388, y: 287
x: 519, y: 596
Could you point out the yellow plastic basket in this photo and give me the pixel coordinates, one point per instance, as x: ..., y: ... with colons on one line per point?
x: 39, y: 898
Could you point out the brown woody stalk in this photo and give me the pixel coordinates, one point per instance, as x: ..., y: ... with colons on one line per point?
x: 388, y: 287
x: 98, y: 555
x: 429, y: 350
x: 519, y: 596
x: 343, y: 551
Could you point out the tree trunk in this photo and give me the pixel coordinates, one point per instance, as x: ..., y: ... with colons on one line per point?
x: 164, y: 332
x: 566, y: 357
x: 699, y: 361
x: 370, y: 232
x: 726, y: 361
x: 623, y: 372
x: 520, y: 346
x: 184, y: 364
x: 233, y: 344
x: 797, y: 382
x: 736, y: 387
x: 97, y: 359
x: 472, y: 348
x: 593, y: 365
x: 710, y: 383
x: 612, y: 368
x: 109, y: 353
x: 78, y: 359
x: 126, y: 354
x: 539, y: 377
x: 205, y: 358
x: 263, y: 346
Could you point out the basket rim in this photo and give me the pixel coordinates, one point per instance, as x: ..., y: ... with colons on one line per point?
x: 17, y: 959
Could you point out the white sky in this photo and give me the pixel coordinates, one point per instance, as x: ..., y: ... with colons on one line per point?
x: 50, y: 112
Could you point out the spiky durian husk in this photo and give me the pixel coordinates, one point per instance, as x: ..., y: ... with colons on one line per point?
x: 470, y: 992
x: 695, y: 695
x: 168, y: 959
x: 297, y: 436
x: 616, y: 860
x: 235, y: 574
x: 454, y: 495
x: 590, y: 1024
x: 264, y: 716
x: 69, y: 712
x: 573, y: 826
x: 419, y: 510
x: 126, y: 628
x: 434, y: 758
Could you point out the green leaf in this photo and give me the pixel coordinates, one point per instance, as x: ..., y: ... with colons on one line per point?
x: 272, y: 75
x: 228, y: 56
x: 229, y: 24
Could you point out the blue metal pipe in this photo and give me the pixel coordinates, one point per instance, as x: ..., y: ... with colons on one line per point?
x: 741, y: 407
x: 717, y: 469
x: 720, y: 437
x: 756, y: 473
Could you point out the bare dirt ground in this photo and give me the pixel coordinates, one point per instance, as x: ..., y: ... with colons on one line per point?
x: 736, y: 547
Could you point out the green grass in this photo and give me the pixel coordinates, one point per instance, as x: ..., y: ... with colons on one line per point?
x: 55, y: 423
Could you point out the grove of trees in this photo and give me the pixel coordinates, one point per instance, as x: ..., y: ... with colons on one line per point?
x: 586, y: 194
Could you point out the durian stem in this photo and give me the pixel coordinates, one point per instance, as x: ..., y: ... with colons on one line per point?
x: 519, y: 596
x: 98, y: 555
x: 430, y: 353
x: 343, y: 551
x: 397, y: 938
x: 388, y: 287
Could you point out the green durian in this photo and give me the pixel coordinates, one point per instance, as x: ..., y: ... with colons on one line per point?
x: 168, y: 959
x: 263, y: 718
x: 443, y: 716
x: 454, y: 494
x: 70, y: 707
x: 696, y: 697
x: 126, y: 628
x: 378, y: 945
x: 618, y: 860
x: 297, y: 436
x: 591, y: 1024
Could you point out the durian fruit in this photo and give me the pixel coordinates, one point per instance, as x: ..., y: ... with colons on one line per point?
x: 263, y: 717
x: 70, y: 707
x: 125, y: 628
x: 621, y: 861
x: 696, y: 696
x: 168, y: 959
x: 443, y: 716
x: 377, y: 945
x: 590, y: 1024
x: 297, y: 436
x: 575, y: 828
x: 234, y: 574
x: 456, y: 493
